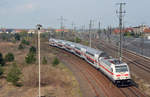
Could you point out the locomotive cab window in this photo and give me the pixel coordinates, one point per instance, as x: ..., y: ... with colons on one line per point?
x: 121, y: 68
x: 90, y: 53
x: 77, y: 48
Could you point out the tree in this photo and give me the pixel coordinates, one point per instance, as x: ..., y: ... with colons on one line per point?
x: 1, y: 70
x: 9, y: 57
x: 44, y: 61
x: 25, y: 42
x: 2, y: 61
x: 32, y: 50
x: 77, y: 40
x: 55, y: 61
x: 14, y: 74
x: 17, y: 36
x: 30, y: 58
x: 4, y: 36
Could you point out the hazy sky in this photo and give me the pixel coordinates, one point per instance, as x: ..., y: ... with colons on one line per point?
x: 27, y: 13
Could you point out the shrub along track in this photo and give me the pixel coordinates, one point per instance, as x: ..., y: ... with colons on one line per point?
x: 100, y: 85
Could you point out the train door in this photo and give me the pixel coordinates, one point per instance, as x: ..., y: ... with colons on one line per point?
x: 83, y: 50
x: 96, y: 61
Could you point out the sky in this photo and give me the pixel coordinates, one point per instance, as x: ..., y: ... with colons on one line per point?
x: 28, y: 13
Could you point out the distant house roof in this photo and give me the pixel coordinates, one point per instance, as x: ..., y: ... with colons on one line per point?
x: 128, y: 30
x: 61, y: 30
x: 116, y: 31
x: 147, y: 30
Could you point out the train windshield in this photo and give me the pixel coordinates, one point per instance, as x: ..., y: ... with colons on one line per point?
x: 121, y: 68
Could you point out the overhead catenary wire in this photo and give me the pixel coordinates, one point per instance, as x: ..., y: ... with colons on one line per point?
x: 121, y: 12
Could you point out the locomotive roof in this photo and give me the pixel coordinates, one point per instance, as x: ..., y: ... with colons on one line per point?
x: 112, y: 61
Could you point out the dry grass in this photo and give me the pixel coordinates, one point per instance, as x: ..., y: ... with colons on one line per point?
x: 56, y: 81
x: 48, y: 76
x: 143, y: 85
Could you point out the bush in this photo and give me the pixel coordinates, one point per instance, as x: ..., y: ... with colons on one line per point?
x: 14, y: 74
x: 77, y: 40
x: 2, y: 61
x: 1, y: 70
x: 9, y: 57
x: 20, y: 47
x: 25, y: 42
x: 30, y: 58
x: 44, y: 61
x: 17, y: 37
x: 55, y: 61
x: 32, y: 50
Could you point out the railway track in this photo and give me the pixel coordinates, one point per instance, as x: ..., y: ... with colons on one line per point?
x: 140, y: 69
x: 100, y: 85
x: 139, y: 61
x: 142, y: 63
x: 131, y: 92
x: 132, y: 59
x: 92, y: 84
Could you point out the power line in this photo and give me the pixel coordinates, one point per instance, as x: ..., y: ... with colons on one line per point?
x: 99, y: 25
x: 73, y: 31
x: 121, y: 12
x: 90, y: 27
x: 62, y: 26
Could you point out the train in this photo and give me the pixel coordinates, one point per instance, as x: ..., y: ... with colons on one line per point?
x: 117, y: 71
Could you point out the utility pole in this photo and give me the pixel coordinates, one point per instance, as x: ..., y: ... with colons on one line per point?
x: 90, y: 40
x: 99, y: 29
x: 142, y: 43
x: 62, y: 26
x: 99, y: 25
x: 39, y: 60
x: 121, y: 12
x: 73, y: 29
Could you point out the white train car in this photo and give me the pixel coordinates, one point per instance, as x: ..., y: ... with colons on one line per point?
x: 52, y: 42
x: 92, y: 56
x: 117, y: 71
x: 80, y: 50
x: 69, y: 46
x: 60, y: 44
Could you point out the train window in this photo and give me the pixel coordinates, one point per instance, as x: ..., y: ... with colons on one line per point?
x: 78, y: 53
x: 77, y: 48
x: 90, y: 60
x: 90, y: 53
x: 121, y: 68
